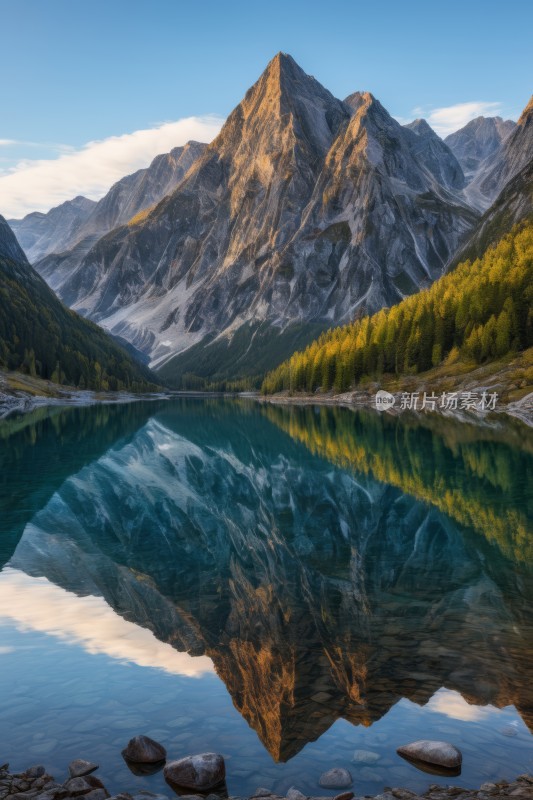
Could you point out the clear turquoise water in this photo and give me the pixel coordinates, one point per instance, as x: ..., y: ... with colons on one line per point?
x: 283, y: 586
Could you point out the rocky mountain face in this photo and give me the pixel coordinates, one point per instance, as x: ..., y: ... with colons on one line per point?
x: 514, y: 156
x: 436, y: 153
x: 304, y: 211
x: 318, y: 592
x: 73, y: 227
x: 481, y: 138
x: 513, y: 204
x: 53, y: 232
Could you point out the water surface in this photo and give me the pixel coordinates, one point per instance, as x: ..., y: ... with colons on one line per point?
x: 295, y: 588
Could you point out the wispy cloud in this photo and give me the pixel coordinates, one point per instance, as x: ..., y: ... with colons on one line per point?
x: 448, y: 119
x: 41, y: 184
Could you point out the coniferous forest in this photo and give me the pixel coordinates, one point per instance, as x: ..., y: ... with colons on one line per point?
x: 42, y: 338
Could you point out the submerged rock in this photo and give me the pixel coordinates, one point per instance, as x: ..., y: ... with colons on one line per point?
x: 442, y: 754
x: 143, y: 750
x: 336, y: 778
x: 365, y: 757
x: 201, y: 772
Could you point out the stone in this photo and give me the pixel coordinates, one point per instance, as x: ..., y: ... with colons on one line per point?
x: 365, y: 757
x: 336, y: 778
x: 200, y: 772
x: 143, y: 750
x: 509, y: 730
x: 344, y: 796
x: 35, y: 772
x: 79, y: 767
x: 145, y: 795
x: 20, y: 784
x: 97, y: 794
x: 295, y: 794
x: 442, y: 754
x: 261, y: 792
x: 77, y: 786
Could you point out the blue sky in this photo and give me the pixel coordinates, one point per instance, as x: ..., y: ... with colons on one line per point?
x: 75, y: 71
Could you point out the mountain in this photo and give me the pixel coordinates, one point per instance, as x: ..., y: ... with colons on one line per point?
x: 40, y: 336
x: 514, y: 155
x: 303, y: 211
x: 79, y: 223
x: 52, y: 232
x: 480, y: 138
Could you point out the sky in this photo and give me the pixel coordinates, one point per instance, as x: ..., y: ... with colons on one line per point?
x: 93, y: 90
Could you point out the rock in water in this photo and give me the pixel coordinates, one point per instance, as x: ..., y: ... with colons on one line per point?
x: 201, y: 772
x: 336, y: 778
x: 443, y: 754
x: 365, y: 757
x: 143, y: 750
x: 79, y: 767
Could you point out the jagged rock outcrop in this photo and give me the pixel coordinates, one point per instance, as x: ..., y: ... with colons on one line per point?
x: 480, y: 138
x: 304, y: 211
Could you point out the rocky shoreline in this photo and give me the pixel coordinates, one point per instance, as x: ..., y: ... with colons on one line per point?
x: 81, y: 784
x: 521, y: 409
x: 21, y: 394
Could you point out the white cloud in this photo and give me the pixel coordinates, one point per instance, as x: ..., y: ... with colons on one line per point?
x: 449, y: 119
x: 35, y: 604
x: 41, y: 184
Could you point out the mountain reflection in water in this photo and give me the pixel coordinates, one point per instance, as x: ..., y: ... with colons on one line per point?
x: 329, y: 563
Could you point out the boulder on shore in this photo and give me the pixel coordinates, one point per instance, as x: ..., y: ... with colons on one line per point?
x: 200, y: 772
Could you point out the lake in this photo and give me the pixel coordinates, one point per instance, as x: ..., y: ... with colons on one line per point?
x: 295, y: 588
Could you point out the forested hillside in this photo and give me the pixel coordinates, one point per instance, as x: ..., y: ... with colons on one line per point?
x: 40, y: 336
x: 479, y: 312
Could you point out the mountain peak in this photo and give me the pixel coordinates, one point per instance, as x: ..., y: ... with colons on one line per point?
x: 284, y: 77
x: 356, y: 100
x: 527, y: 113
x: 420, y: 127
x: 284, y: 103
